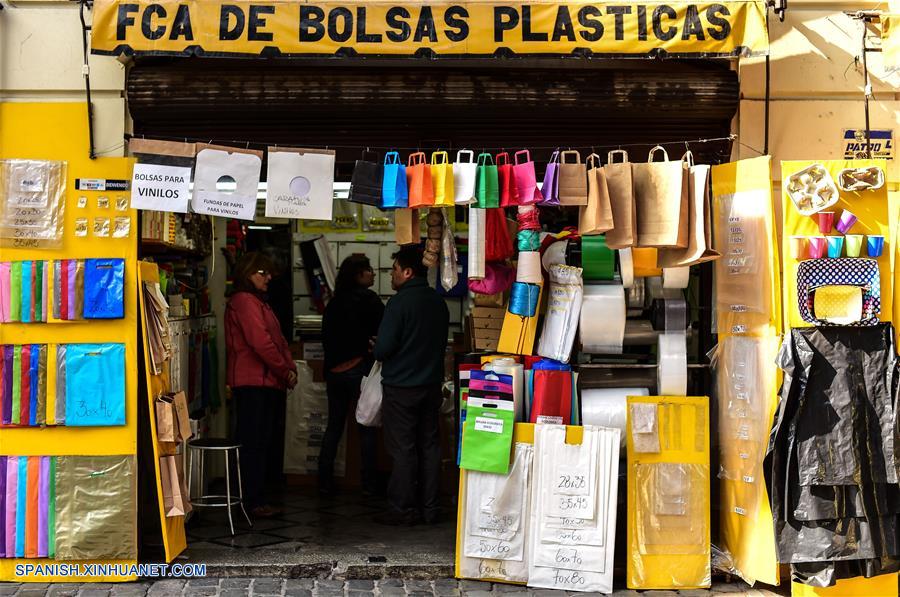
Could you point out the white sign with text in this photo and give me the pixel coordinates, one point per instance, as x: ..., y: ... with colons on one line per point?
x: 160, y: 188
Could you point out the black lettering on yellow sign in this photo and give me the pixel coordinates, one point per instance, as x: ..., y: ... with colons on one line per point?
x: 341, y: 24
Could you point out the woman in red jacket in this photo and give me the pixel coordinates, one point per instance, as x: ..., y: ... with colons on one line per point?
x: 260, y: 370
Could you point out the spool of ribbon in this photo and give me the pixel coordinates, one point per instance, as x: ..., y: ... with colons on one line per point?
x: 528, y: 240
x: 528, y: 218
x: 597, y: 259
x: 669, y: 315
x: 676, y: 277
x: 671, y: 372
x: 626, y: 267
x: 528, y: 269
x: 602, y: 324
x: 608, y: 407
x: 523, y: 299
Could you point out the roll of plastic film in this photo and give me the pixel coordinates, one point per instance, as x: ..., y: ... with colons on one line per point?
x: 636, y: 295
x: 597, y: 260
x: 676, y: 277
x: 626, y: 267
x: 508, y: 366
x: 671, y: 371
x: 602, y: 324
x: 670, y: 315
x: 528, y: 269
x: 477, y: 225
x: 607, y: 407
x: 523, y: 299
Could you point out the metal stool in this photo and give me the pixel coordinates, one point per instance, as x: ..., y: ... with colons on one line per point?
x: 216, y: 500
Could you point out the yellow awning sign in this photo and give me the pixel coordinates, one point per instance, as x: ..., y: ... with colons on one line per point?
x: 484, y: 28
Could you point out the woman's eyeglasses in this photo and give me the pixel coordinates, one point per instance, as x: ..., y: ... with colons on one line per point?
x: 263, y: 272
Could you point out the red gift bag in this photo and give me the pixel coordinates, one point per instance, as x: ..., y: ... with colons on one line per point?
x: 552, y: 397
x: 506, y: 182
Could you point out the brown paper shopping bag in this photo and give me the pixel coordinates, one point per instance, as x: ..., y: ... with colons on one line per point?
x: 621, y: 198
x: 573, y: 186
x: 406, y: 227
x: 182, y: 419
x: 661, y: 202
x: 596, y: 217
x: 165, y: 419
x: 182, y: 483
x: 173, y: 501
x: 700, y: 248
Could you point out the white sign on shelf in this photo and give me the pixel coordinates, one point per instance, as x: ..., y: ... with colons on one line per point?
x: 160, y: 188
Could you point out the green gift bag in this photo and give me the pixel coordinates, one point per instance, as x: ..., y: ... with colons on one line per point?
x: 487, y: 186
x: 487, y: 435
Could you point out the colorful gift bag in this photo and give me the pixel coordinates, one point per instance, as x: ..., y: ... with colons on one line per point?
x: 394, y: 193
x: 7, y: 380
x: 464, y: 177
x: 418, y: 180
x: 487, y: 435
x: 366, y: 182
x: 506, y: 182
x: 527, y: 191
x: 551, y: 397
x: 104, y: 288
x: 442, y: 179
x: 550, y: 188
x: 95, y: 384
x: 486, y: 182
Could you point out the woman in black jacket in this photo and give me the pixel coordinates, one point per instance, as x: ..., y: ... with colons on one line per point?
x: 349, y: 327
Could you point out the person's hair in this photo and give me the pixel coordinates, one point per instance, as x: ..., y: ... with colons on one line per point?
x: 411, y: 257
x: 348, y: 273
x: 247, y: 265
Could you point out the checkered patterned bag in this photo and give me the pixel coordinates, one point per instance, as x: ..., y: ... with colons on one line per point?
x: 816, y: 274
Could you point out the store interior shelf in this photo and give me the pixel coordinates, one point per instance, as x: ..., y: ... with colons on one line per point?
x: 157, y: 247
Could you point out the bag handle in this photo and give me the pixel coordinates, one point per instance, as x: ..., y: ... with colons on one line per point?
x: 442, y: 155
x: 416, y: 158
x: 505, y: 159
x: 570, y: 153
x: 611, y: 156
x: 527, y: 156
x: 483, y: 158
x: 554, y: 157
x: 688, y: 159
x: 465, y: 151
x: 653, y: 152
x: 592, y: 161
x: 391, y: 157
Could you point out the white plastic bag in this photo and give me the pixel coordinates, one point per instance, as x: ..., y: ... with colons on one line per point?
x: 449, y: 273
x: 368, y: 409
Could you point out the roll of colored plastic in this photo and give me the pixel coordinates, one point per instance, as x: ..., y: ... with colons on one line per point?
x: 597, y: 260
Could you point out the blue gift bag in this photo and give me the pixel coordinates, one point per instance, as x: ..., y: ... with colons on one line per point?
x: 104, y: 288
x: 95, y: 384
x: 394, y: 193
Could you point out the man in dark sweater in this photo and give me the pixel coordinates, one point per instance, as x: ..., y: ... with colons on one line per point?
x: 411, y: 343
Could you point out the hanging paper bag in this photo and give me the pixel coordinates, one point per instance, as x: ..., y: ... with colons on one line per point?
x: 104, y: 288
x: 661, y: 202
x: 486, y: 182
x: 173, y: 501
x: 621, y: 198
x: 700, y: 248
x: 393, y: 188
x: 418, y: 181
x: 550, y: 188
x: 182, y: 484
x: 464, y: 177
x: 300, y: 183
x: 442, y: 179
x: 505, y: 181
x: 406, y: 227
x: 215, y: 162
x: 572, y: 180
x: 596, y: 217
x: 527, y: 191
x: 182, y: 418
x: 487, y: 435
x: 366, y: 182
x: 165, y: 419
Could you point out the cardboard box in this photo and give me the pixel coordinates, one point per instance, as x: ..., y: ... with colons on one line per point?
x: 487, y: 323
x: 489, y: 312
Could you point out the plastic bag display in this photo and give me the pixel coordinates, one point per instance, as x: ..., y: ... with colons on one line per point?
x: 464, y: 174
x: 104, y: 288
x: 563, y: 313
x: 368, y: 408
x: 27, y: 506
x: 68, y: 289
x: 394, y: 190
x: 572, y: 179
x: 367, y: 180
x: 550, y: 186
x: 33, y: 194
x: 95, y: 384
x: 487, y: 192
x: 551, y: 397
x: 487, y: 435
x: 23, y: 385
x: 661, y: 202
x: 96, y: 508
x: 25, y: 291
x: 442, y: 179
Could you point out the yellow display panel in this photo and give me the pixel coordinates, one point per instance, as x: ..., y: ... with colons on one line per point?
x: 669, y: 548
x: 879, y: 586
x: 58, y: 131
x: 518, y: 333
x: 174, y: 538
x: 242, y: 27
x: 873, y: 213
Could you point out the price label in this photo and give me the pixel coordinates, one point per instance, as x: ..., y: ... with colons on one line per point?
x: 488, y: 424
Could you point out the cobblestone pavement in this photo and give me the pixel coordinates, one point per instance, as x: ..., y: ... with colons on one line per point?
x: 272, y: 587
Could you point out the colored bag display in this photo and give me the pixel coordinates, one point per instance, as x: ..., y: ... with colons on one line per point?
x: 68, y: 285
x: 487, y: 435
x: 442, y: 179
x: 527, y: 191
x: 27, y: 506
x: 821, y: 301
x: 367, y: 180
x: 464, y: 174
x: 104, y: 288
x: 573, y: 188
x: 418, y: 181
x: 619, y: 183
x: 394, y: 194
x: 23, y: 385
x: 551, y: 397
x: 506, y: 182
x: 661, y: 202
x: 95, y: 384
x: 24, y: 291
x: 96, y: 507
x: 550, y: 187
x: 487, y: 191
